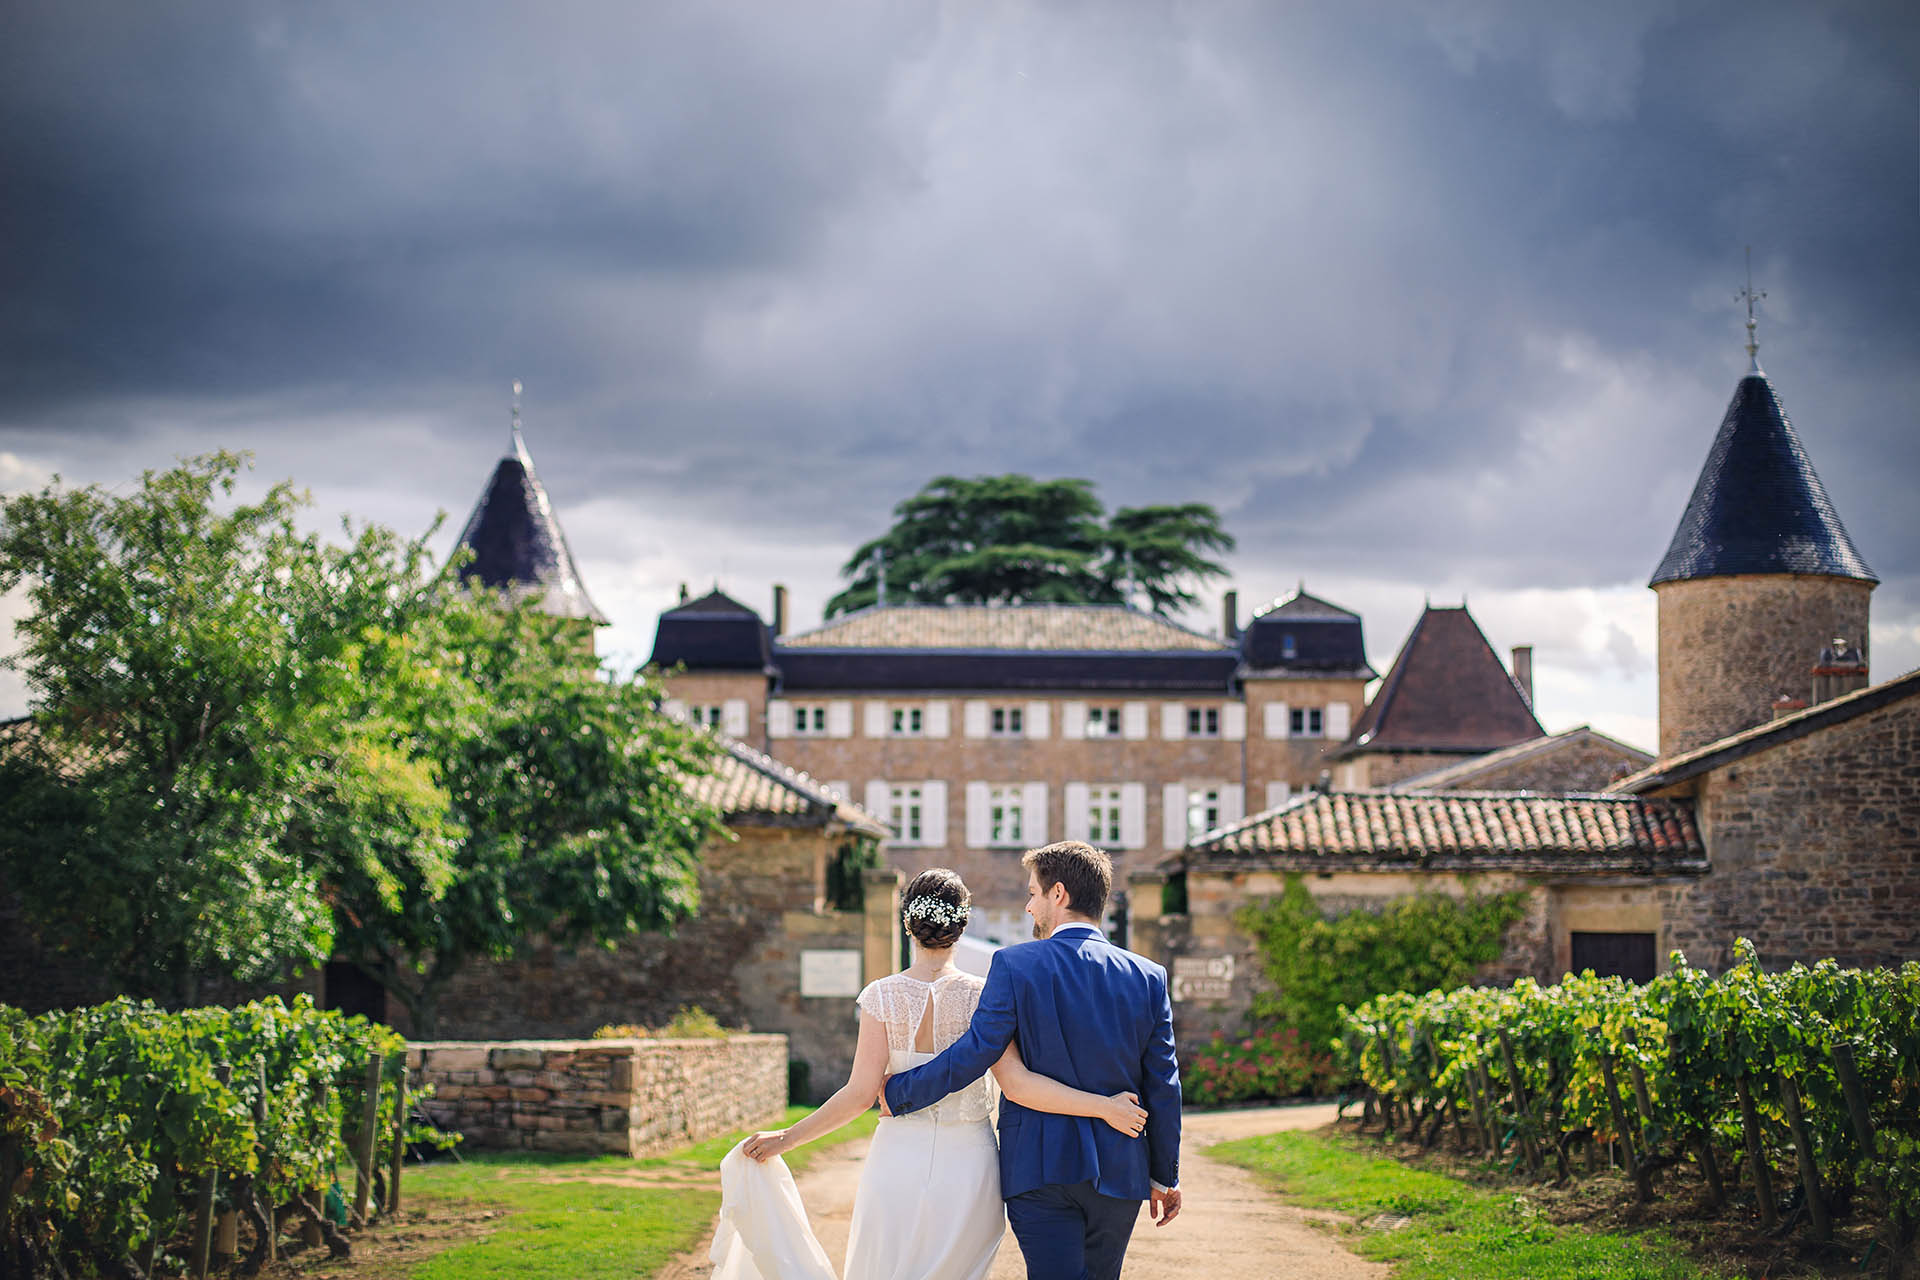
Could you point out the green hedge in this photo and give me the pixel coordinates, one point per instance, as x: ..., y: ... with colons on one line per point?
x: 113, y: 1118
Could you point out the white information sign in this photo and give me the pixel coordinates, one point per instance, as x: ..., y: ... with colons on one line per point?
x: 1202, y: 977
x: 830, y: 973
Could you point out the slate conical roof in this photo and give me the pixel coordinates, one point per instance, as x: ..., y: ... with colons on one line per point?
x: 517, y: 544
x: 1758, y: 507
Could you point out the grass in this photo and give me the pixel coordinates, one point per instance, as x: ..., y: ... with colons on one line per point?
x: 563, y: 1224
x: 1453, y: 1229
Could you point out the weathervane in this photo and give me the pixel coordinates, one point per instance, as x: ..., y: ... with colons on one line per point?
x: 517, y: 445
x: 1748, y: 296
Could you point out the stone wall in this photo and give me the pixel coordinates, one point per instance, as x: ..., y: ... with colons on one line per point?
x: 1730, y: 646
x: 1815, y: 846
x: 617, y: 1097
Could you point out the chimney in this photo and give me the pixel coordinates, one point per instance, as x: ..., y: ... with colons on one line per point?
x: 779, y: 609
x: 1523, y: 671
x: 683, y: 593
x: 1840, y: 670
x: 1230, y: 615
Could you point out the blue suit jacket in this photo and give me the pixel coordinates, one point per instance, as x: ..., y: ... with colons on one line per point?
x: 1091, y: 1015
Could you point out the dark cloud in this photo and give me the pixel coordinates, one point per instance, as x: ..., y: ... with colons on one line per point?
x: 1419, y: 294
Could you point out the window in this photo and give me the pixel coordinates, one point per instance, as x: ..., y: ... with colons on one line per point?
x: 1203, y: 722
x: 1287, y: 648
x: 903, y: 812
x: 1306, y: 722
x: 1103, y: 815
x: 1005, y: 809
x: 809, y: 719
x: 707, y: 715
x: 1203, y: 811
x: 908, y: 722
x: 1005, y: 722
x: 1103, y: 722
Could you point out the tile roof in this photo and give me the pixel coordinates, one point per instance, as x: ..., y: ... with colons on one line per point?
x: 1758, y: 507
x: 1456, y: 775
x: 1073, y: 628
x: 1461, y: 830
x: 517, y: 544
x: 751, y: 787
x: 1764, y: 737
x: 1447, y: 691
x: 920, y: 670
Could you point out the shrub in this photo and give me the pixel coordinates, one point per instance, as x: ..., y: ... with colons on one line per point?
x: 1266, y: 1064
x: 690, y: 1023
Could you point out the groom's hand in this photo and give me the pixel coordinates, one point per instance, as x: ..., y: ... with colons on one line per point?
x: 1165, y: 1206
x: 885, y: 1110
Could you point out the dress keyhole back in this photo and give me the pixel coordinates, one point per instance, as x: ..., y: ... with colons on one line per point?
x: 923, y: 1034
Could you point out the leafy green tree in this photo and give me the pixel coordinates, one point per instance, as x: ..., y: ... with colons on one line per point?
x: 200, y: 762
x: 1014, y: 539
x: 569, y: 791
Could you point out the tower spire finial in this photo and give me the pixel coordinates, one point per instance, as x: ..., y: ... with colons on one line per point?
x: 1748, y: 296
x: 518, y: 446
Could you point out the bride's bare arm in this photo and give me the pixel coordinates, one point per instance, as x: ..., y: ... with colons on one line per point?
x: 1043, y: 1093
x: 855, y: 1096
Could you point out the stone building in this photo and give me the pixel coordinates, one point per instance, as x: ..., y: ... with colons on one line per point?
x: 1784, y: 805
x: 979, y: 731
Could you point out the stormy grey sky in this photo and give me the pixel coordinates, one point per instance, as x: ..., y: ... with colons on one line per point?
x: 1427, y: 298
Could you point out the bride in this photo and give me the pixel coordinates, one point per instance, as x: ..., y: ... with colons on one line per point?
x: 929, y: 1206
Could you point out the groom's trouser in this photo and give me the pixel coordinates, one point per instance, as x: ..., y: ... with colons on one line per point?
x: 1072, y: 1232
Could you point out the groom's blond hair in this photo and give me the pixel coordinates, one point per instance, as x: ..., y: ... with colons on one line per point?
x: 1084, y: 870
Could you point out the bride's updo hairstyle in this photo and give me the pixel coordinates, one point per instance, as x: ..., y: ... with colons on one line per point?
x: 935, y: 908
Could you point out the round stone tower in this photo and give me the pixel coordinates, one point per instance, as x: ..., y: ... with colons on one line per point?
x: 1760, y: 576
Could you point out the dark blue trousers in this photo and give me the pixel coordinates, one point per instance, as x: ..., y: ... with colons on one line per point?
x: 1072, y: 1232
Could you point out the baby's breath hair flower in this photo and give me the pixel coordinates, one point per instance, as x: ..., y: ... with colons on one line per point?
x: 935, y: 911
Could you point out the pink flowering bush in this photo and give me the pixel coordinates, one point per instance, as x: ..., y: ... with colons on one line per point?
x: 1263, y: 1064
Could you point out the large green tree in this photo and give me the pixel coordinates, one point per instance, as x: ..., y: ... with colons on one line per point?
x: 1013, y: 539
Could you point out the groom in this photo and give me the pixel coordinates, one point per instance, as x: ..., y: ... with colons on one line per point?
x: 1091, y: 1015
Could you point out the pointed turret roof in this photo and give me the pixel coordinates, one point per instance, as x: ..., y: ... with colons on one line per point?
x: 517, y: 544
x: 1758, y: 507
x: 1447, y: 692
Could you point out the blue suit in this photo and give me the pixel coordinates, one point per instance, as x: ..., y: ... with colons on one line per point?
x: 1094, y: 1016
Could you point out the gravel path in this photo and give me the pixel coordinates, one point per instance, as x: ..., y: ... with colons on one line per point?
x: 1230, y: 1228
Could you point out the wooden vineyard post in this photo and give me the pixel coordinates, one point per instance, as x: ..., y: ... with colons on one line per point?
x: 1756, y: 1153
x: 365, y: 1141
x: 200, y: 1256
x: 1803, y: 1156
x: 1642, y: 1180
x: 398, y: 1153
x: 1523, y: 1124
x: 1848, y: 1069
x: 264, y: 1199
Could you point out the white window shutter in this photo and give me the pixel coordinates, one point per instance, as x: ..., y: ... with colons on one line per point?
x: 733, y: 717
x: 1033, y: 814
x: 1233, y: 721
x: 1133, y: 815
x: 1233, y: 803
x: 1173, y: 721
x: 1079, y: 797
x: 973, y: 718
x: 939, y: 718
x: 1133, y: 722
x: 979, y: 819
x: 1339, y: 725
x: 675, y: 707
x: 875, y: 719
x: 1073, y: 720
x: 880, y: 800
x: 1278, y: 793
x: 1173, y: 818
x: 1039, y: 719
x: 779, y: 718
x: 1278, y: 723
x: 933, y: 813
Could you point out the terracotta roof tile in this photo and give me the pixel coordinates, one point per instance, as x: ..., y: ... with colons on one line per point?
x: 1512, y: 830
x: 1078, y: 628
x: 1447, y: 691
x: 751, y: 786
x: 1464, y: 774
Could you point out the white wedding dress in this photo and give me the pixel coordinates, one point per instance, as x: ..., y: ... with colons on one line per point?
x: 928, y: 1207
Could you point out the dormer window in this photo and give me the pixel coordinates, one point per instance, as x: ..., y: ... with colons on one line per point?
x: 1287, y: 647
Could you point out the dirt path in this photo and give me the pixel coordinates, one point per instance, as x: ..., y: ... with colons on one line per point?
x: 1230, y: 1228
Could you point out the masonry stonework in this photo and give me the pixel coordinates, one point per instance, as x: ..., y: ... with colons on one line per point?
x: 615, y: 1097
x: 1731, y: 645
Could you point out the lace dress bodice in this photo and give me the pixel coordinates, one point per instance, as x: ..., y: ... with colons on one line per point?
x: 901, y: 1003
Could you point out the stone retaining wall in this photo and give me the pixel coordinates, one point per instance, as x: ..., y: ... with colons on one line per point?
x: 624, y: 1097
